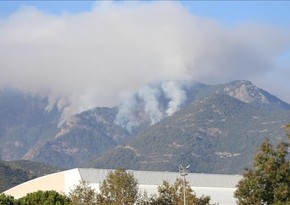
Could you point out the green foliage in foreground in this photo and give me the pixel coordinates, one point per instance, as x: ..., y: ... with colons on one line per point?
x: 173, y: 195
x: 7, y: 200
x: 126, y: 193
x: 119, y: 187
x: 44, y: 198
x: 269, y: 181
x: 37, y: 198
x: 83, y: 194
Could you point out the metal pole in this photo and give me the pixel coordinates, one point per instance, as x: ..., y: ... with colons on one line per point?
x: 183, y: 172
x: 184, y: 198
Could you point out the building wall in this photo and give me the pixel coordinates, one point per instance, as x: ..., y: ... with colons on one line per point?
x: 219, y: 187
x: 71, y: 179
x: 49, y: 182
x: 222, y: 196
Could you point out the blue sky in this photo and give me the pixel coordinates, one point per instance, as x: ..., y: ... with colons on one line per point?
x: 54, y: 7
x: 225, y: 12
x: 91, y: 53
x: 237, y: 12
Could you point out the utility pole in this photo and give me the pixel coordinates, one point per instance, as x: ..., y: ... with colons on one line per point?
x: 183, y: 172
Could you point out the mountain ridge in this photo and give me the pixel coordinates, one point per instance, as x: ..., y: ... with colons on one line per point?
x: 209, y: 126
x: 13, y: 173
x: 208, y: 140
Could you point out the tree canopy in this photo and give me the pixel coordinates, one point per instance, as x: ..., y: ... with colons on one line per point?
x: 120, y: 187
x: 83, y: 194
x: 173, y: 195
x: 44, y: 198
x: 269, y: 181
x: 6, y: 200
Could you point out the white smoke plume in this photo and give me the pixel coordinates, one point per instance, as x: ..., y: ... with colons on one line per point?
x: 126, y: 116
x: 151, y: 104
x: 175, y: 94
x: 138, y: 108
x: 88, y: 59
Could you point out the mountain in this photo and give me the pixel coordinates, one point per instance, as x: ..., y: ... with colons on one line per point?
x: 215, y: 128
x: 81, y: 137
x: 95, y: 131
x: 24, y: 122
x: 13, y: 173
x: 247, y: 92
x: 217, y: 133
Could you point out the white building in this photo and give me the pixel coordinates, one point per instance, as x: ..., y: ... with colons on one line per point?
x: 218, y: 186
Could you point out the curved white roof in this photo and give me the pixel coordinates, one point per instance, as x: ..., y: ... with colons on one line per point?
x: 157, y: 178
x: 218, y: 186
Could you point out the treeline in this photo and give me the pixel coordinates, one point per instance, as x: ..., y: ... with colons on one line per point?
x: 10, y: 177
x: 119, y: 187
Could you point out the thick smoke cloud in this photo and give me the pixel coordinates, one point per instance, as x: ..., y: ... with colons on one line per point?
x: 126, y: 116
x: 144, y: 103
x: 175, y: 94
x: 151, y: 103
x: 89, y: 59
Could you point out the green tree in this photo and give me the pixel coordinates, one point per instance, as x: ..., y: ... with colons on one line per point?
x: 7, y: 200
x: 269, y: 181
x: 173, y: 195
x: 83, y: 194
x: 287, y: 130
x: 144, y: 199
x: 118, y: 188
x: 44, y: 198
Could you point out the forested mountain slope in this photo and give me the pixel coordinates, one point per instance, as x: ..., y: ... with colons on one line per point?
x: 215, y: 128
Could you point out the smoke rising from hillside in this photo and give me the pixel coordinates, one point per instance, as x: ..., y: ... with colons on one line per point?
x: 151, y: 104
x: 175, y: 94
x: 145, y: 105
x: 89, y: 59
x: 126, y: 116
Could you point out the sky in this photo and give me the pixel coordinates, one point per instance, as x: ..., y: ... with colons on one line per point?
x: 95, y: 53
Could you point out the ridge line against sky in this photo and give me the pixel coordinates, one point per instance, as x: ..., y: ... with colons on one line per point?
x: 91, y: 53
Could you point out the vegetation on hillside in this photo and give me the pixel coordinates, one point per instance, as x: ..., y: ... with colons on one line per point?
x: 13, y: 173
x: 10, y: 177
x: 217, y: 134
x: 267, y: 183
x: 216, y: 125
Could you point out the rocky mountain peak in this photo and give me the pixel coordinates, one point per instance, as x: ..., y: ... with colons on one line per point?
x: 155, y: 127
x: 246, y: 91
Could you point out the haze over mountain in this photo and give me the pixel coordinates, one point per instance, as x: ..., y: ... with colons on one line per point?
x: 216, y: 128
x: 110, y: 83
x: 104, y: 54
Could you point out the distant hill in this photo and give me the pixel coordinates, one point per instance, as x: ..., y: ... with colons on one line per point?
x: 218, y: 132
x: 13, y: 173
x: 24, y: 122
x: 83, y: 136
x: 215, y: 128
